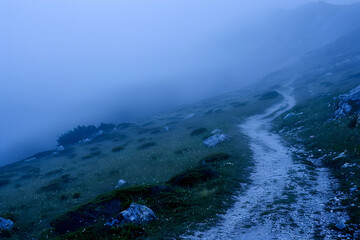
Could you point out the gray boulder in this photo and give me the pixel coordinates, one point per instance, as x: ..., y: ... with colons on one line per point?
x: 349, y: 103
x: 216, y: 139
x: 340, y: 225
x: 136, y: 213
x: 6, y: 224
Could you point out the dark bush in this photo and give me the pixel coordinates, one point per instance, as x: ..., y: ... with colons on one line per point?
x: 147, y: 145
x: 181, y: 151
x: 76, y: 195
x: 117, y: 148
x: 198, y: 131
x: 74, y: 136
x: 215, y: 157
x: 193, y: 177
x: 4, y: 181
x: 269, y: 95
x: 56, y: 184
x: 106, y: 126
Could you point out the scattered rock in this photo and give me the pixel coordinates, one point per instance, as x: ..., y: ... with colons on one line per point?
x: 121, y: 183
x: 216, y: 131
x: 136, y: 213
x: 349, y: 103
x: 215, y: 140
x: 189, y: 116
x: 6, y: 224
x: 340, y: 224
x: 60, y: 148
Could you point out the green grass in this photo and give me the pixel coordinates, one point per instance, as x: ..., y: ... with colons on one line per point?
x: 46, y: 185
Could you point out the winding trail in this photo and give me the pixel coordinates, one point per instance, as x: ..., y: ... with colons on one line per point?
x: 285, y: 200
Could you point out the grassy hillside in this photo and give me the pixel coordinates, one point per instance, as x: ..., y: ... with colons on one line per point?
x: 147, y: 154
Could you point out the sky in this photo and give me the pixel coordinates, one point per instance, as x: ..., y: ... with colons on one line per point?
x: 64, y: 63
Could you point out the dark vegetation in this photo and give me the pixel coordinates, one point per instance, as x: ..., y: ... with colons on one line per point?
x: 215, y: 157
x: 198, y: 131
x: 82, y: 132
x: 147, y: 145
x: 56, y: 184
x: 268, y: 95
x: 118, y: 148
x: 193, y: 177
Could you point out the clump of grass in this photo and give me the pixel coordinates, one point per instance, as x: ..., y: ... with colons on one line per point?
x: 4, y: 181
x: 215, y: 157
x: 76, y: 195
x: 53, y: 172
x: 97, y: 153
x: 56, y: 184
x: 118, y: 148
x: 193, y: 177
x: 238, y: 104
x: 268, y: 95
x: 147, y: 145
x: 181, y: 151
x: 198, y: 131
x: 87, y: 156
x: 63, y: 197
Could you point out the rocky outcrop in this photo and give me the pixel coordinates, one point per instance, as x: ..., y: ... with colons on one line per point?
x: 136, y: 213
x: 348, y: 103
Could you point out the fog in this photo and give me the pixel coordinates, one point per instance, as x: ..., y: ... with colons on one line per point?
x: 65, y: 63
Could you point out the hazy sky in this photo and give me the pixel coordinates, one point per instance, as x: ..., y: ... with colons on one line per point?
x: 66, y: 62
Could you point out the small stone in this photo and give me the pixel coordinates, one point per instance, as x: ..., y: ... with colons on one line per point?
x: 6, y: 224
x: 340, y: 224
x: 120, y: 183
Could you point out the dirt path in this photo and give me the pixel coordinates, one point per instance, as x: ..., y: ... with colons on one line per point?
x: 285, y: 200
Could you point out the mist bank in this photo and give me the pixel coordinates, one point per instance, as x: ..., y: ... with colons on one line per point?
x: 67, y: 64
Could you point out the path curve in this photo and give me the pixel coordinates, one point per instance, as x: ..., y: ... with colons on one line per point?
x: 284, y: 199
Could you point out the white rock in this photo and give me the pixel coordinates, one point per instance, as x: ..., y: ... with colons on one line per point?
x: 136, y: 213
x: 189, y: 116
x: 215, y: 140
x: 60, y: 148
x: 216, y: 131
x: 120, y: 183
x: 6, y: 224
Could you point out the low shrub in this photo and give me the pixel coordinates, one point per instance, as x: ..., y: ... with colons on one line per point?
x: 198, y: 131
x: 118, y: 148
x: 147, y: 145
x: 268, y: 95
x: 215, y: 157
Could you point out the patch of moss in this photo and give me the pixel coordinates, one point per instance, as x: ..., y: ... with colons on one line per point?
x: 198, y: 131
x: 192, y: 177
x: 215, y: 157
x: 118, y: 148
x: 56, y: 184
x: 76, y: 195
x: 268, y: 95
x: 53, y: 172
x: 181, y: 151
x: 147, y: 145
